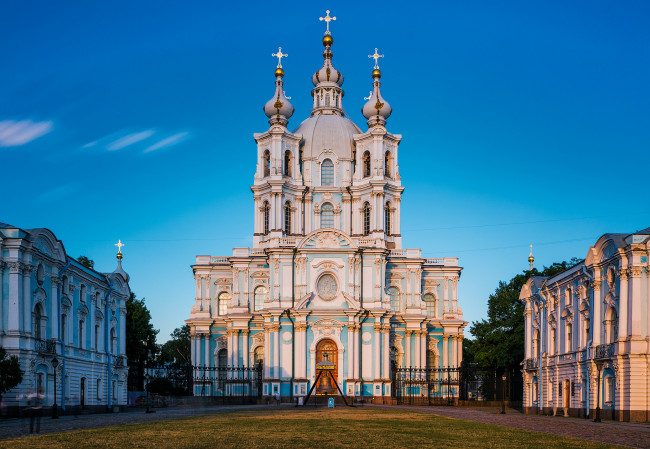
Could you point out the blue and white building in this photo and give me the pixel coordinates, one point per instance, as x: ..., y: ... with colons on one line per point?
x: 327, y: 277
x: 52, y: 307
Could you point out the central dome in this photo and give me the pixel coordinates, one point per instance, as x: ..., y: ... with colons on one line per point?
x: 327, y: 132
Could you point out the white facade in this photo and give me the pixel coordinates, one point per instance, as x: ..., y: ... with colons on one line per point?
x: 327, y: 273
x: 54, y: 307
x: 593, y: 314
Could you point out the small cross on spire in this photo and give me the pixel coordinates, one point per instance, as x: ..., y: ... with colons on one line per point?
x: 279, y: 55
x: 119, y: 245
x: 376, y: 57
x: 327, y: 20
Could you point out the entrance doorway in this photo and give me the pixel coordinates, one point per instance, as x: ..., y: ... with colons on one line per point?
x: 327, y: 350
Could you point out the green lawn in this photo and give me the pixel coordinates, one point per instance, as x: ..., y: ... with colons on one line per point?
x: 303, y: 429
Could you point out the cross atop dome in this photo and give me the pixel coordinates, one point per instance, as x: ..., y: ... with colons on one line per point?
x: 327, y: 20
x: 279, y: 55
x: 376, y: 57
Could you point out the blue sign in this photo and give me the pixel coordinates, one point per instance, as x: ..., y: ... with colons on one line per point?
x: 330, y: 403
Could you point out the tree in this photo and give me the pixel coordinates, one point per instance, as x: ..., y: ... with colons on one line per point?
x: 178, y: 348
x: 10, y: 373
x: 498, y: 342
x: 140, y: 340
x: 86, y: 262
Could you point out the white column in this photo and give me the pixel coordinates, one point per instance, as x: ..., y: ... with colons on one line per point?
x: 193, y: 349
x: 635, y: 301
x: 423, y: 349
x: 386, y: 351
x: 276, y: 351
x: 122, y: 311
x: 235, y: 347
x: 377, y: 344
x: 445, y: 295
x: 407, y: 361
x: 229, y: 349
x: 454, y: 350
x: 396, y: 222
x: 91, y: 319
x: 15, y: 291
x: 350, y: 351
x: 597, y: 318
x: 27, y: 300
x: 245, y: 351
x: 623, y: 315
x: 460, y: 350
x: 206, y: 349
x: 355, y: 349
x: 445, y: 350
x: 267, y: 352
x: 54, y: 316
x: 418, y: 361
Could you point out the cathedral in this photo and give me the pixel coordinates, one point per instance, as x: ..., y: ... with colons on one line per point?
x: 327, y: 278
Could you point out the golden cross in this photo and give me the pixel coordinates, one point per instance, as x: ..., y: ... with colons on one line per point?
x: 119, y: 245
x: 279, y: 55
x: 327, y: 19
x: 531, y: 249
x: 376, y: 57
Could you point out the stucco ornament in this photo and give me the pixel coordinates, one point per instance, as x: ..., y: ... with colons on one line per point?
x: 327, y: 287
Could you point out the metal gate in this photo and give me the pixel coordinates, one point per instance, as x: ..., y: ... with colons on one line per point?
x: 420, y: 386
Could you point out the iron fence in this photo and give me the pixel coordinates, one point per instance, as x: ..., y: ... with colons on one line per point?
x: 433, y: 386
x: 45, y: 346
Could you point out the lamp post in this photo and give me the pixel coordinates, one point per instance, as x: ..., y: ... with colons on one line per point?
x: 55, y: 409
x: 503, y: 394
x: 599, y: 366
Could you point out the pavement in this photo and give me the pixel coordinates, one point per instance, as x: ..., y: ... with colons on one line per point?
x: 626, y: 434
x: 636, y: 435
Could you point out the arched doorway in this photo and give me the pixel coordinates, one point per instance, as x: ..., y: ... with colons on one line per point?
x: 327, y: 350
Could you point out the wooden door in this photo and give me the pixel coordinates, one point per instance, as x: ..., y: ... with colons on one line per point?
x: 327, y: 350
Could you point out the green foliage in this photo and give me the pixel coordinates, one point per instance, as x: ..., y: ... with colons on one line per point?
x: 178, y: 348
x: 10, y: 373
x: 86, y: 262
x: 499, y: 340
x: 140, y: 339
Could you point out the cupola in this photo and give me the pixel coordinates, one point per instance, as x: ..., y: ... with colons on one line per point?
x: 278, y: 109
x: 376, y: 110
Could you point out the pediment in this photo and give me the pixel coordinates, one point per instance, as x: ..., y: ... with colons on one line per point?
x: 260, y: 275
x: 223, y: 281
x: 431, y: 283
x: 328, y: 265
x: 394, y: 276
x: 331, y: 239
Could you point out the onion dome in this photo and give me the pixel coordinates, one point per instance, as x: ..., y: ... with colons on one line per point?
x: 376, y: 110
x: 327, y: 73
x: 119, y: 270
x: 278, y: 109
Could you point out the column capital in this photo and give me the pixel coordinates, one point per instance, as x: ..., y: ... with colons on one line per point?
x: 15, y: 267
x: 245, y: 332
x: 408, y: 332
x: 377, y: 327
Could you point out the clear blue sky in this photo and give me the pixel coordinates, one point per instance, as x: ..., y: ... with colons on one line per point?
x: 523, y: 122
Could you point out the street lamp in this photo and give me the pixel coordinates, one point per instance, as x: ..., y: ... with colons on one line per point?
x: 599, y: 367
x: 503, y: 394
x: 55, y: 409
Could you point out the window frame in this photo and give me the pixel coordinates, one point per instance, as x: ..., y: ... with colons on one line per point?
x: 327, y: 215
x: 327, y: 176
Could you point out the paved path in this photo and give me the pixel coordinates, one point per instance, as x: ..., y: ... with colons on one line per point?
x: 14, y: 427
x: 609, y: 432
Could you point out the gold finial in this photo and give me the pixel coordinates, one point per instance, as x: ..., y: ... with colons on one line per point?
x: 376, y: 57
x: 531, y: 259
x: 119, y: 245
x: 279, y: 55
x: 327, y: 20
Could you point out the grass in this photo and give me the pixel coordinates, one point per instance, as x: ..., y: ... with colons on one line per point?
x: 303, y: 429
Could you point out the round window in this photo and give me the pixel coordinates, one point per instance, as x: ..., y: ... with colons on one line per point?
x: 327, y: 287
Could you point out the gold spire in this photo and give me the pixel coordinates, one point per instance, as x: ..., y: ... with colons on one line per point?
x: 119, y: 245
x: 376, y: 57
x: 327, y: 20
x: 531, y: 259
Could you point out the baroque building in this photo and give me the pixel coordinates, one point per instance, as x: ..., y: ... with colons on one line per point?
x: 588, y: 334
x: 327, y: 277
x: 53, y: 307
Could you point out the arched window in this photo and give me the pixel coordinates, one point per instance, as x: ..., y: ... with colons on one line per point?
x: 64, y: 327
x: 393, y: 294
x: 568, y: 297
x: 258, y: 356
x: 569, y: 337
x: 366, y: 219
x: 288, y: 162
x: 552, y: 348
x: 366, y: 164
x: 224, y: 297
x: 287, y: 218
x: 265, y: 217
x: 222, y: 358
x: 387, y: 164
x: 266, y: 163
x: 432, y: 360
x: 587, y: 325
x: 260, y: 296
x: 38, y: 318
x: 327, y: 173
x: 113, y: 341
x: 536, y: 344
x: 81, y: 334
x: 387, y: 218
x: 327, y: 216
x: 611, y: 326
x: 430, y: 302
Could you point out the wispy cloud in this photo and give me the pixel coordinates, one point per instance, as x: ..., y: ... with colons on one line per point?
x: 129, y: 139
x: 15, y: 133
x: 57, y: 193
x: 167, y: 142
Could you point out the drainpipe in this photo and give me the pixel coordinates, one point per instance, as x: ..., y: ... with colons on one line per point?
x: 350, y: 193
x: 107, y: 346
x: 304, y: 193
x: 58, y: 294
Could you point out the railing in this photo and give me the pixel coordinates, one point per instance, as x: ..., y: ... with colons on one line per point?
x: 367, y: 242
x: 45, y: 346
x: 256, y: 252
x: 288, y: 241
x: 445, y: 261
x: 119, y: 361
x: 219, y: 260
x: 605, y: 351
x: 410, y: 253
x: 531, y: 364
